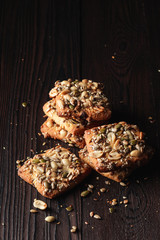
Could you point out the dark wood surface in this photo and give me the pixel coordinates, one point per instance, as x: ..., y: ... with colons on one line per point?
x: 114, y: 42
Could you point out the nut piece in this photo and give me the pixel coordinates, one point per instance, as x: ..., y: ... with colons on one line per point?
x: 39, y: 204
x: 102, y: 190
x: 53, y: 93
x: 63, y: 133
x: 33, y: 211
x: 135, y: 153
x: 73, y: 229
x: 69, y: 208
x: 91, y: 214
x: 97, y: 216
x: 96, y: 154
x: 85, y: 193
x: 50, y: 219
x: 60, y: 104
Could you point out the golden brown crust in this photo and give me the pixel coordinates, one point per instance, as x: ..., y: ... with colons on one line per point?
x: 117, y: 176
x: 53, y: 130
x: 116, y: 146
x: 52, y: 182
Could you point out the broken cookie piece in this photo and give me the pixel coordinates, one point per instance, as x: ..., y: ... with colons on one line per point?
x: 117, y: 146
x: 72, y: 126
x: 50, y: 129
x: 54, y: 172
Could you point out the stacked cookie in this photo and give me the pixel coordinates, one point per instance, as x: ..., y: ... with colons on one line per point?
x: 74, y: 107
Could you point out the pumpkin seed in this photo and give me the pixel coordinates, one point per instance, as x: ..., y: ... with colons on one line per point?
x: 102, y: 190
x: 85, y: 193
x: 73, y: 229
x: 36, y: 160
x: 39, y: 204
x: 64, y: 175
x: 102, y: 130
x: 50, y: 219
x: 71, y: 106
x: 97, y: 216
x: 111, y: 210
x: 69, y: 208
x: 47, y: 184
x: 133, y: 142
x: 42, y: 160
x: 24, y: 104
x: 118, y: 126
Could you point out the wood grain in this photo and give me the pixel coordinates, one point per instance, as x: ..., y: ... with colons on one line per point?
x: 113, y: 42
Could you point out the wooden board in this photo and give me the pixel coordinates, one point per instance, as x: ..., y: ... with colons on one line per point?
x: 114, y: 42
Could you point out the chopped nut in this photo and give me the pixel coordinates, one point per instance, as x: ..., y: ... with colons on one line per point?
x: 39, y: 204
x: 90, y: 186
x: 107, y: 182
x: 69, y: 208
x: 111, y: 210
x: 102, y: 190
x: 73, y: 229
x: 33, y: 211
x: 123, y: 184
x: 91, y: 214
x: 114, y: 202
x: 125, y: 201
x: 96, y: 216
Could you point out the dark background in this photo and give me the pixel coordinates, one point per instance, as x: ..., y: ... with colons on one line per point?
x: 114, y: 42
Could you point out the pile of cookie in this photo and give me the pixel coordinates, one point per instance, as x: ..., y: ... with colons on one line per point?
x: 74, y: 107
x: 78, y: 114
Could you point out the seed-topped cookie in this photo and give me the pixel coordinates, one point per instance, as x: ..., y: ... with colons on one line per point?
x: 50, y: 129
x: 118, y: 176
x: 116, y: 146
x: 80, y: 99
x: 54, y: 172
x: 72, y: 126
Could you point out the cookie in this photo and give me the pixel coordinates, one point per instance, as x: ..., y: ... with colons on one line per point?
x: 81, y: 100
x: 118, y: 176
x: 50, y: 129
x: 117, y: 146
x: 54, y: 172
x: 72, y: 126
